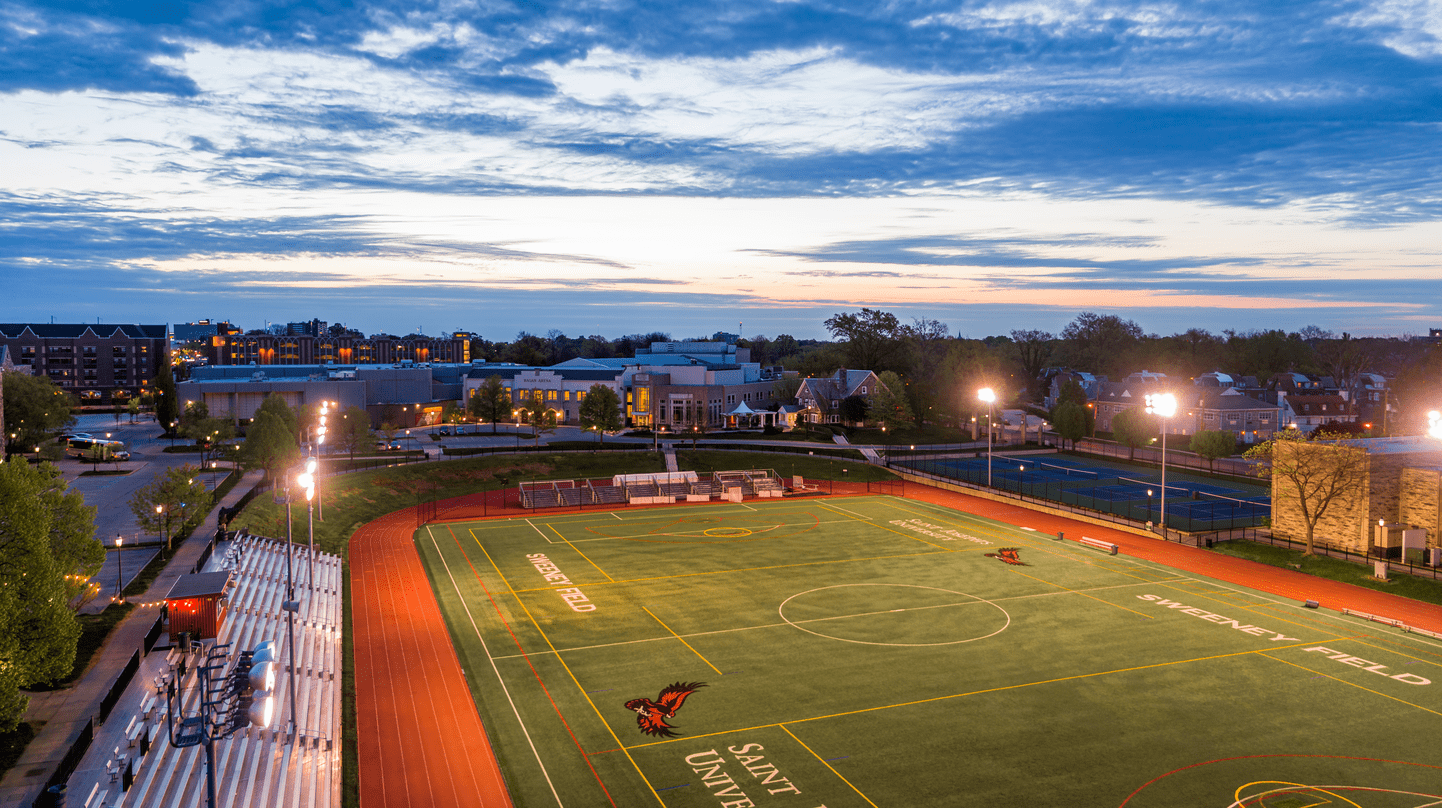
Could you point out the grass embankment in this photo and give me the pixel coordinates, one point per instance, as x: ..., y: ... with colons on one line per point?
x: 1335, y: 569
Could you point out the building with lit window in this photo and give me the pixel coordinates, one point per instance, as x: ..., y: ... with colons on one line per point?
x: 99, y: 363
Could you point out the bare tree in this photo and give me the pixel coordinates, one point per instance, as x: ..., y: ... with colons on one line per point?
x: 1345, y: 360
x: 1313, y: 476
x: 1033, y: 348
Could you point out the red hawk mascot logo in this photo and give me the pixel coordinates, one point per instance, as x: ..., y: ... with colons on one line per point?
x: 651, y: 715
x: 1009, y: 555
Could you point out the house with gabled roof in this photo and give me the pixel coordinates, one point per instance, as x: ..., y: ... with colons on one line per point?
x: 822, y: 396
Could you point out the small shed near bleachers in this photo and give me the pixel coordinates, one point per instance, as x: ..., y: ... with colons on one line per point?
x: 197, y: 604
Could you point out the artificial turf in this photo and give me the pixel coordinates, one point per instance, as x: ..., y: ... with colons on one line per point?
x: 877, y: 651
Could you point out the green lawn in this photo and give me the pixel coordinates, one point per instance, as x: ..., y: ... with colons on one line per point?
x: 868, y: 651
x: 1426, y: 590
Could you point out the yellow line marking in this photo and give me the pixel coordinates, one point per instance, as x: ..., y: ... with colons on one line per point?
x: 682, y: 639
x: 1345, y: 682
x: 1001, y: 689
x: 1083, y: 594
x: 581, y: 690
x: 578, y: 552
x: 827, y: 765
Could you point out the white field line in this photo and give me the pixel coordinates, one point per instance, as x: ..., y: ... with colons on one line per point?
x: 494, y: 669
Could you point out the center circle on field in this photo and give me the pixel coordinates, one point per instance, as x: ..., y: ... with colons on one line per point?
x: 909, y: 616
x: 727, y: 532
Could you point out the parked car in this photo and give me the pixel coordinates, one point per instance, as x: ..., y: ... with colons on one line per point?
x: 122, y: 454
x: 445, y: 430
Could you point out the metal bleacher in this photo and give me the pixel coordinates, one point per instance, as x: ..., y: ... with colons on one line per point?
x: 254, y: 766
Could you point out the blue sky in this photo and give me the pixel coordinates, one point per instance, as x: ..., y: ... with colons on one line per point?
x: 621, y: 167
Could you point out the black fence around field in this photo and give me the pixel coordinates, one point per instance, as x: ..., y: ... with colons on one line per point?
x: 72, y: 758
x: 153, y: 635
x: 118, y: 686
x: 1352, y: 554
x: 1116, y: 498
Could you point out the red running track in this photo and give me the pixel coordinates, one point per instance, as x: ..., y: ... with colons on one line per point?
x: 419, y: 739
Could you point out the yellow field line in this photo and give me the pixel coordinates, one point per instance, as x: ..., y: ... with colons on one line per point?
x: 1003, y: 688
x: 578, y: 551
x: 1083, y: 594
x: 580, y: 689
x: 679, y: 637
x: 827, y: 765
x: 1352, y: 684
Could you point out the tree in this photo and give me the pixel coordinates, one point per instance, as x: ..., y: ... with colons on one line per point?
x: 784, y: 389
x: 132, y: 407
x: 1214, y: 443
x: 1100, y: 342
x: 490, y: 402
x: 35, y: 409
x: 270, y: 443
x: 601, y: 410
x: 1311, y: 477
x: 1072, y: 393
x: 1033, y: 348
x: 197, y: 425
x: 1345, y: 360
x: 352, y: 431
x: 38, y: 631
x: 853, y: 409
x: 1070, y: 420
x: 182, y: 500
x: 887, y: 403
x: 1134, y: 428
x: 541, y: 417
x: 873, y: 339
x: 167, y: 405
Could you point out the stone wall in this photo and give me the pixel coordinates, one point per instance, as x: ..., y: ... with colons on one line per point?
x: 1394, y: 491
x: 1347, y: 515
x: 1419, y: 504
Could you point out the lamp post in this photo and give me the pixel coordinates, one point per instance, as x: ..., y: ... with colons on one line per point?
x: 290, y: 606
x: 1163, y: 405
x: 119, y: 578
x: 1149, y: 504
x: 307, y: 481
x: 164, y: 525
x: 989, y: 396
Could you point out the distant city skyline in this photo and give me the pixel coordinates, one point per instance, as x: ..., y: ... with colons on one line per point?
x: 602, y: 168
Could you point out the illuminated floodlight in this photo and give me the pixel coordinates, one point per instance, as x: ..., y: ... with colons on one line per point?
x: 1163, y: 404
x: 986, y: 394
x: 262, y: 710
x: 1434, y: 424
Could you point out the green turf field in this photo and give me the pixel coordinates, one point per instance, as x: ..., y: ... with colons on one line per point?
x: 870, y: 652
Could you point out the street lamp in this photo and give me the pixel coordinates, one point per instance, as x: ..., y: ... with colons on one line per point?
x: 164, y: 525
x: 119, y: 578
x: 989, y: 396
x: 1149, y: 504
x: 1163, y: 405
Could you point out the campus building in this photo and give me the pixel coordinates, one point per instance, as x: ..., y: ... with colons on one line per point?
x: 1400, y: 486
x: 325, y: 348
x: 99, y: 363
x: 406, y: 394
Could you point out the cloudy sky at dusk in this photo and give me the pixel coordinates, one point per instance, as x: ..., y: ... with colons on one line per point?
x: 620, y: 167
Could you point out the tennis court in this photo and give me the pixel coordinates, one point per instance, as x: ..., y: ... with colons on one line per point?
x: 886, y: 652
x: 1107, y: 488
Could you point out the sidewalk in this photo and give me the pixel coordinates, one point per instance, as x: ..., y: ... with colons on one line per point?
x: 66, y: 711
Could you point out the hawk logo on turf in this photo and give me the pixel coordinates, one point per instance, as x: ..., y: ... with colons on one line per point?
x: 651, y: 715
x: 1009, y: 555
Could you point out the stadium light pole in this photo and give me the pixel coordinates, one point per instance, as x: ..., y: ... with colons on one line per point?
x: 989, y: 396
x: 1163, y: 405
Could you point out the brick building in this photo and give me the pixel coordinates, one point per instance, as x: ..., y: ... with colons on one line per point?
x: 98, y: 363
x: 1403, y: 486
x: 308, y: 349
